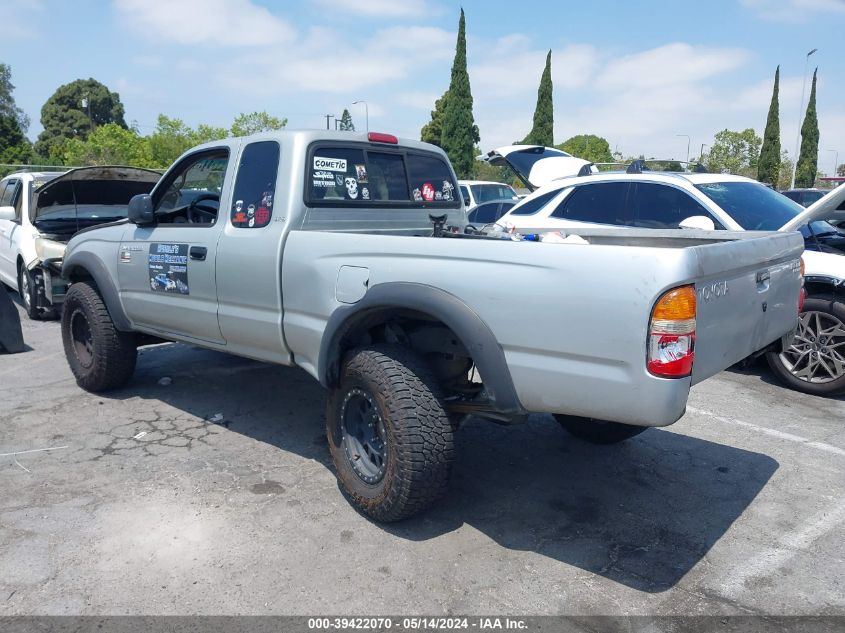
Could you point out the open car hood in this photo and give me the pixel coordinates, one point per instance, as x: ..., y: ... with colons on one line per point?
x: 102, y: 187
x: 536, y: 165
x: 825, y: 208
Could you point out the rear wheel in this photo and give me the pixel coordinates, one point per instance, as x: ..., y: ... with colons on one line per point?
x: 815, y: 362
x: 100, y: 356
x: 598, y: 431
x: 390, y: 437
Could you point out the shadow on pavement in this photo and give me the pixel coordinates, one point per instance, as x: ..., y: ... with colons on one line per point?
x: 641, y: 513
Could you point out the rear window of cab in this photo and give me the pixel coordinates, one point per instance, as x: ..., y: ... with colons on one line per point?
x: 357, y: 174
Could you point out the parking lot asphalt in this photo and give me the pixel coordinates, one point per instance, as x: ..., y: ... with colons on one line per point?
x: 214, y: 494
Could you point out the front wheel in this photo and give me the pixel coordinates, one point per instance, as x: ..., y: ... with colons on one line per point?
x: 100, y: 356
x: 389, y: 435
x: 598, y: 431
x: 815, y: 362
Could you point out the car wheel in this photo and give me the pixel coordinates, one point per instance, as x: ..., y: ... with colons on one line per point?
x: 598, y: 431
x: 815, y: 362
x: 26, y: 289
x: 100, y: 356
x: 389, y: 435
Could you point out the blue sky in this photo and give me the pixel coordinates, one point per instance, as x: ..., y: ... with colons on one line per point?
x: 637, y: 73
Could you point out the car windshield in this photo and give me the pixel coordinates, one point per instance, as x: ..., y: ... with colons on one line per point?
x: 753, y: 206
x: 487, y: 193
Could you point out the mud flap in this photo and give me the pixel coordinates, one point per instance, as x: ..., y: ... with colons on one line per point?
x: 11, y: 335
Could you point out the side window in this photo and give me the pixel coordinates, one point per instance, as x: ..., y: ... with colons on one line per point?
x: 7, y: 189
x: 17, y: 199
x: 431, y: 179
x: 465, y: 195
x: 534, y: 204
x: 255, y: 185
x: 663, y: 207
x: 601, y: 203
x: 192, y: 192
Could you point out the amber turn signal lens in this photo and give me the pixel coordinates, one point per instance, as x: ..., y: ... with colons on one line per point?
x: 675, y: 305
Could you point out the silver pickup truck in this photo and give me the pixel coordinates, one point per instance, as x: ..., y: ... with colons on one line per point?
x: 348, y: 255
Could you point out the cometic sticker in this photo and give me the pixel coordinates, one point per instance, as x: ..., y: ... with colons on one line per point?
x: 331, y: 164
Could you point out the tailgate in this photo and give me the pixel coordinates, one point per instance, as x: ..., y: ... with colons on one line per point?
x: 747, y: 297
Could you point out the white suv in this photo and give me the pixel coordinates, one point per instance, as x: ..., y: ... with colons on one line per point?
x: 667, y: 200
x: 41, y: 211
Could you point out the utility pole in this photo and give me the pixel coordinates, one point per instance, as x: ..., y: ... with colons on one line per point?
x: 835, y: 162
x: 328, y: 116
x: 86, y: 103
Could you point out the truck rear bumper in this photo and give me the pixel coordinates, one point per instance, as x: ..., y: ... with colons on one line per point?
x: 606, y: 391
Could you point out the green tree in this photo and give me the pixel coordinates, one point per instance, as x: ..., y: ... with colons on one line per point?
x: 432, y: 132
x: 172, y: 137
x: 109, y: 144
x: 254, y: 122
x: 460, y: 134
x: 735, y: 152
x: 589, y: 147
x: 14, y: 146
x: 785, y: 173
x: 808, y: 157
x: 542, y: 133
x: 346, y: 124
x: 65, y: 117
x: 769, y: 164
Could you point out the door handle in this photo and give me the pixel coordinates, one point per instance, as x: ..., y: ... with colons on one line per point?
x: 198, y: 252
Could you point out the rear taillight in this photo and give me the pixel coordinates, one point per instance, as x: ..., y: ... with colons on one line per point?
x: 671, y: 335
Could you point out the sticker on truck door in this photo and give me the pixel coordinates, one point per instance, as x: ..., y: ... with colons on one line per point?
x: 168, y: 268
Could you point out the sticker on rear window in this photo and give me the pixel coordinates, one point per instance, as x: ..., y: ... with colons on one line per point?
x: 331, y: 164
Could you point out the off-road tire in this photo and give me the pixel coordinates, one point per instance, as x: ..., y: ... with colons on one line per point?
x: 598, y: 431
x: 835, y: 311
x: 418, y: 436
x: 106, y: 359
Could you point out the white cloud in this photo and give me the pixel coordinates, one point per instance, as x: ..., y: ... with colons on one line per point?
x: 379, y: 8
x: 793, y: 10
x: 233, y: 23
x: 672, y: 64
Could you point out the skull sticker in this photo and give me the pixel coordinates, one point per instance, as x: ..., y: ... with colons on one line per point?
x: 351, y: 188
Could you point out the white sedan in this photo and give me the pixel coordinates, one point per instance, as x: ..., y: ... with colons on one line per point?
x: 669, y: 200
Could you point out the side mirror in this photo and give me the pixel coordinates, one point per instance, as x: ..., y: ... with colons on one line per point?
x: 466, y: 201
x: 140, y: 210
x: 700, y: 222
x: 7, y: 213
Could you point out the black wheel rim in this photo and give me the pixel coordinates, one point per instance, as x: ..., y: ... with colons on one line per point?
x: 817, y: 354
x: 80, y: 336
x: 364, y: 436
x: 25, y: 290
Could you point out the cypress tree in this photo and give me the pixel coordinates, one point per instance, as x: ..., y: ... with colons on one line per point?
x: 805, y: 170
x: 346, y: 124
x: 543, y: 131
x: 768, y: 167
x: 460, y: 134
x: 432, y: 132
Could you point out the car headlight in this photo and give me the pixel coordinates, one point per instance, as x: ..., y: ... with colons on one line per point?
x: 49, y: 249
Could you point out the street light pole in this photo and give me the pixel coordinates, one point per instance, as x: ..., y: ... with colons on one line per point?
x: 366, y: 112
x: 800, y: 117
x: 835, y: 161
x: 687, y: 135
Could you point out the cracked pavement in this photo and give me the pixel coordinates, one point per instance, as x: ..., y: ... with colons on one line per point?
x: 214, y: 495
